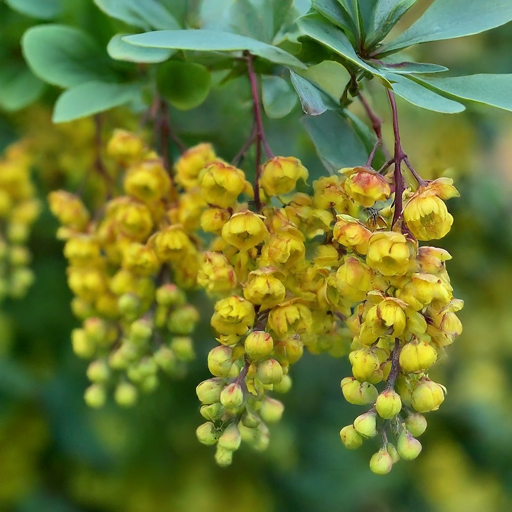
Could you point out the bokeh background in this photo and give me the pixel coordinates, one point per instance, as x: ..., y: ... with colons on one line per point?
x: 56, y: 455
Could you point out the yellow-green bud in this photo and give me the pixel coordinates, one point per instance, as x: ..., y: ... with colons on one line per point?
x: 232, y: 396
x: 417, y: 356
x: 388, y: 404
x: 95, y: 396
x: 416, y: 424
x: 258, y: 345
x: 209, y: 390
x: 408, y: 448
x: 393, y: 452
x: 141, y: 331
x: 126, y: 394
x: 207, y: 433
x: 250, y: 419
x: 96, y: 330
x: 212, y: 412
x: 166, y: 359
x: 149, y: 384
x: 350, y: 437
x: 170, y: 295
x: 364, y: 363
x: 130, y: 306
x: 271, y: 410
x: 230, y: 438
x: 270, y: 371
x: 81, y: 308
x: 183, y: 320
x: 427, y: 396
x: 98, y: 371
x: 219, y: 361
x: 223, y: 457
x: 183, y: 348
x: 82, y: 345
x: 19, y: 256
x: 358, y: 393
x: 284, y: 386
x: 366, y: 424
x: 381, y: 462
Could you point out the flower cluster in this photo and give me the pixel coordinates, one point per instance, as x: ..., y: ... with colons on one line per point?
x: 128, y: 267
x: 19, y: 208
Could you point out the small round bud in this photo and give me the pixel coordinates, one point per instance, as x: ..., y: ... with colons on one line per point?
x: 223, y: 457
x: 126, y: 394
x: 388, y: 404
x: 250, y: 419
x: 416, y: 424
x: 219, y: 361
x: 232, y: 396
x: 129, y: 306
x: 427, y: 396
x: 209, y: 391
x: 358, y: 393
x: 417, y: 356
x: 393, y: 452
x: 183, y: 320
x: 212, y: 412
x: 149, y: 384
x: 350, y: 437
x: 271, y: 410
x: 270, y: 371
x: 230, y: 438
x: 366, y: 424
x: 98, y: 371
x: 141, y: 331
x: 165, y: 358
x: 95, y: 396
x: 258, y: 345
x: 183, y: 348
x: 96, y: 330
x: 284, y: 386
x: 207, y: 433
x: 364, y: 363
x: 381, y: 462
x: 407, y: 446
x: 83, y: 346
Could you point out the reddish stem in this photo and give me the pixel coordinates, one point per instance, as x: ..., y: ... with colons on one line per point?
x: 98, y: 158
x: 376, y: 122
x: 395, y: 365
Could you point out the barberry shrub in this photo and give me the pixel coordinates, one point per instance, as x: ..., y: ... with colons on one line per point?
x: 335, y: 264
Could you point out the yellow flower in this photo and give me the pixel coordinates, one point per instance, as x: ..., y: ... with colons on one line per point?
x: 87, y: 283
x: 422, y: 289
x: 385, y: 319
x: 280, y: 175
x: 125, y: 146
x: 365, y: 186
x: 390, y: 253
x: 82, y: 251
x: 244, y: 230
x: 283, y: 252
x: 417, y: 356
x: 213, y: 220
x: 191, y: 163
x: 69, y: 209
x: 216, y: 274
x: 233, y: 315
x: 329, y: 193
x: 364, y: 364
x: 173, y: 244
x: 290, y: 318
x: 133, y: 219
x: 140, y: 259
x: 353, y: 280
x: 221, y: 184
x: 264, y: 288
x: 349, y: 232
x: 147, y: 181
x: 189, y: 210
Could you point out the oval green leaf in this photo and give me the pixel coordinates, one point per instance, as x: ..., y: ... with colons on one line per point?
x: 120, y: 50
x: 278, y: 96
x: 18, y: 87
x: 39, y: 9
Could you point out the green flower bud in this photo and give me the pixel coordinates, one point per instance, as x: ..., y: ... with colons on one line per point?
x: 149, y: 384
x: 212, y: 412
x: 230, y: 438
x: 183, y: 348
x: 98, y: 371
x: 271, y: 410
x: 416, y: 424
x: 81, y: 308
x: 19, y: 256
x: 207, y: 434
x: 223, y: 457
x: 170, y: 295
x: 258, y: 345
x: 82, y: 345
x: 366, y: 424
x: 358, y: 393
x: 388, y: 404
x: 232, y: 396
x: 141, y: 331
x: 350, y: 437
x: 130, y: 306
x: 270, y: 371
x: 95, y: 396
x: 160, y: 318
x: 408, y: 448
x: 18, y: 233
x: 427, y: 396
x: 21, y: 279
x: 284, y: 385
x: 183, y: 320
x: 250, y: 419
x: 381, y: 462
x: 209, y: 390
x: 96, y: 330
x: 146, y: 367
x: 219, y: 361
x: 166, y: 359
x: 126, y: 394
x: 393, y: 452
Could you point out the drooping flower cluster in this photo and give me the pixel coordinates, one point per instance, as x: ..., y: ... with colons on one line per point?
x: 19, y: 208
x: 128, y: 267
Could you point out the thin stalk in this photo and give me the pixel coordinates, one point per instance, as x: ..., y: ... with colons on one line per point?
x: 395, y: 365
x: 376, y: 122
x: 99, y: 165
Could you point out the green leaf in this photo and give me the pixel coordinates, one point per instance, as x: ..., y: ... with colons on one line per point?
x: 147, y: 15
x: 64, y: 56
x: 336, y: 143
x: 336, y: 14
x: 39, y: 9
x: 209, y: 40
x: 353, y: 10
x: 321, y: 30
x: 330, y: 76
x: 92, y: 98
x: 386, y: 14
x: 448, y: 19
x: 278, y: 96
x: 492, y: 90
x: 121, y: 50
x: 421, y: 96
x: 245, y: 19
x: 184, y: 84
x: 408, y: 68
x: 314, y: 101
x: 18, y: 87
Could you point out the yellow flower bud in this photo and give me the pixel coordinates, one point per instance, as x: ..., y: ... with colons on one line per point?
x: 366, y: 186
x: 83, y: 345
x: 147, y: 181
x: 98, y: 371
x: 221, y: 184
x: 407, y: 446
x: 173, y: 244
x: 280, y: 175
x: 209, y: 390
x: 417, y: 356
x: 133, y: 220
x: 183, y: 320
x: 223, y: 457
x: 388, y: 404
x: 289, y: 350
x: 350, y: 437
x: 358, y: 393
x: 82, y: 251
x: 212, y: 412
x: 220, y: 361
x: 87, y: 283
x: 126, y: 394
x: 230, y: 438
x: 427, y: 396
x: 284, y: 252
x: 349, y: 232
x: 69, y: 209
x: 353, y: 279
x: 216, y: 275
x: 271, y: 410
x: 232, y: 396
x: 416, y: 424
x: 364, y: 363
x: 270, y: 371
x: 207, y: 434
x: 213, y: 220
x: 125, y: 146
x: 191, y: 163
x: 95, y: 396
x: 366, y: 424
x: 432, y: 260
x: 284, y: 386
x: 390, y: 253
x: 264, y: 288
x: 381, y: 462
x: 290, y: 318
x: 244, y: 230
x: 170, y: 295
x: 258, y: 345
x: 140, y: 259
x: 233, y: 315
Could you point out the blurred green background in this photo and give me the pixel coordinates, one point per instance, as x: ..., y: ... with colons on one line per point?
x: 56, y: 455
